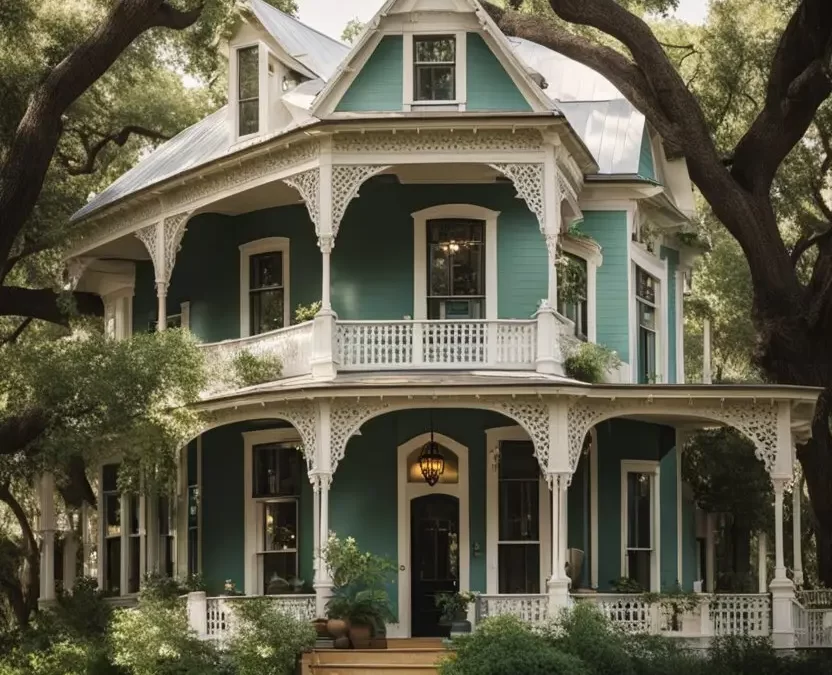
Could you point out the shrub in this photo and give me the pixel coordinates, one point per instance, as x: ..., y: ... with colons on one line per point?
x: 504, y: 645
x: 305, y: 313
x: 587, y: 635
x: 154, y: 639
x: 589, y: 362
x: 251, y: 369
x: 159, y: 587
x: 267, y: 642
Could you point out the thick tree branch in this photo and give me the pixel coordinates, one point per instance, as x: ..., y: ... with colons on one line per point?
x: 14, y: 335
x: 34, y: 143
x: 19, y: 431
x: 805, y: 243
x: 42, y: 303
x: 77, y: 167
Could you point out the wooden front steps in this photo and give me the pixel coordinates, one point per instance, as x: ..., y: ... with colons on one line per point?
x: 411, y: 656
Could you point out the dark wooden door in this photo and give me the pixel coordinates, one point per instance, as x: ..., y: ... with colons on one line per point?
x: 434, y: 560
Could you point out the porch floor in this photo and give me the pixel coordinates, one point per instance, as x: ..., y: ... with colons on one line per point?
x: 403, y: 656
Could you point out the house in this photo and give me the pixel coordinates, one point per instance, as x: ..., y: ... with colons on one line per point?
x: 467, y: 209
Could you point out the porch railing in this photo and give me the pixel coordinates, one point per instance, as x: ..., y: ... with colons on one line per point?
x: 531, y: 608
x: 741, y: 614
x: 213, y: 618
x: 292, y: 345
x: 379, y: 345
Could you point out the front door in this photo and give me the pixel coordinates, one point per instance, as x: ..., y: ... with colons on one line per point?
x: 434, y: 560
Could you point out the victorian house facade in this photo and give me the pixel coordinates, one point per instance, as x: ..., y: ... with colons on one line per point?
x: 431, y: 322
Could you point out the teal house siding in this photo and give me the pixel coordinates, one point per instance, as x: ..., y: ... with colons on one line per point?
x: 645, y: 159
x: 489, y: 86
x: 668, y: 507
x: 378, y: 87
x: 630, y: 440
x: 672, y: 257
x: 609, y: 229
x: 223, y: 508
x: 689, y: 561
x: 578, y: 516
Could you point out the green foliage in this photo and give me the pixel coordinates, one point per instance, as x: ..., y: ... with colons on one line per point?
x: 504, y: 645
x: 267, y: 642
x: 305, y: 313
x: 154, y: 639
x: 572, y: 278
x: 352, y: 30
x: 586, y: 635
x: 590, y: 362
x: 626, y: 585
x: 454, y: 604
x: 251, y: 369
x: 159, y: 587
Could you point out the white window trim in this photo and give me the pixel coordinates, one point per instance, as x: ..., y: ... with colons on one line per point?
x: 252, y: 571
x: 590, y: 252
x: 262, y: 89
x: 651, y: 467
x: 249, y: 249
x: 657, y: 268
x: 407, y: 492
x: 493, y: 438
x: 460, y: 70
x: 181, y: 520
x: 420, y: 246
x: 680, y: 326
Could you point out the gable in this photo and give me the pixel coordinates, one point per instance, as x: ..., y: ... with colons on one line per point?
x: 646, y: 168
x: 378, y: 87
x: 489, y: 86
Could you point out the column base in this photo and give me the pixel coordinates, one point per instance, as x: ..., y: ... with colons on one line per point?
x: 782, y: 616
x: 323, y: 592
x: 323, y: 361
x: 558, y: 590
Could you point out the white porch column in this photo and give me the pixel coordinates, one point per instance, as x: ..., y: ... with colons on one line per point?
x: 797, y: 564
x: 322, y: 480
x: 779, y: 557
x: 762, y: 563
x: 162, y: 309
x: 46, y: 494
x: 558, y: 474
x: 151, y: 533
x: 86, y: 539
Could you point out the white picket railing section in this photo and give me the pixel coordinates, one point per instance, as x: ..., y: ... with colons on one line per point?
x: 219, y: 611
x: 292, y: 345
x: 741, y: 614
x: 629, y: 611
x: 531, y: 608
x: 396, y: 345
x: 815, y: 598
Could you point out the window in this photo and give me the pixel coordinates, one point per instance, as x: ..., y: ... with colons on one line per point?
x: 276, y: 480
x: 646, y: 310
x: 456, y: 269
x: 266, y: 301
x: 248, y: 91
x: 639, y: 487
x: 111, y: 503
x: 166, y: 517
x: 434, y: 68
x: 572, y: 292
x: 133, y: 545
x: 193, y: 526
x: 519, y: 519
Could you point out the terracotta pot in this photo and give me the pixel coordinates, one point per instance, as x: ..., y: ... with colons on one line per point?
x: 360, y: 636
x: 337, y: 628
x: 321, y: 628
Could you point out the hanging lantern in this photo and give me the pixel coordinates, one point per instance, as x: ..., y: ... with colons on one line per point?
x: 431, y: 462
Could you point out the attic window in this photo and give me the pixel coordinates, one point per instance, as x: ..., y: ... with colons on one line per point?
x: 248, y: 91
x: 434, y: 68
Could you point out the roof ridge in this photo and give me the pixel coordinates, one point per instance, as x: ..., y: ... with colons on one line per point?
x: 298, y: 21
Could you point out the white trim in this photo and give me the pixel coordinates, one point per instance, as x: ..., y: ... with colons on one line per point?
x: 234, y: 90
x: 406, y: 493
x: 680, y: 326
x: 266, y: 245
x: 493, y: 438
x: 589, y: 251
x: 657, y: 268
x: 460, y: 69
x: 593, y: 508
x: 251, y: 569
x: 651, y: 467
x: 420, y: 283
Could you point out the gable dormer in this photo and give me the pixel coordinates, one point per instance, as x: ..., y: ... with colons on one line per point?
x: 419, y: 56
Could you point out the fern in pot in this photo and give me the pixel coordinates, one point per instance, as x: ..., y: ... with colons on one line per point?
x: 454, y: 609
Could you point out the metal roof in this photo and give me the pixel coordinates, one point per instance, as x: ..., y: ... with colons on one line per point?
x: 607, y: 123
x: 318, y: 52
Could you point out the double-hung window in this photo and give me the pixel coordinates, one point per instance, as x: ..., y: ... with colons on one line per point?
x: 518, y: 545
x: 434, y: 68
x: 266, y: 292
x: 646, y: 312
x: 572, y: 292
x: 639, y: 485
x: 166, y: 536
x: 456, y: 269
x: 193, y: 525
x: 276, y: 486
x: 111, y: 504
x: 248, y: 91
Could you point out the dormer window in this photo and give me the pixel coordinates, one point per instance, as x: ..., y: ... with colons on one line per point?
x: 434, y: 68
x: 248, y: 90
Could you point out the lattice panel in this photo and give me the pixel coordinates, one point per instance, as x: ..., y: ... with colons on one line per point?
x: 174, y: 231
x: 149, y: 237
x: 528, y: 181
x: 308, y: 184
x: 346, y: 418
x: 439, y: 140
x: 533, y: 416
x: 346, y: 181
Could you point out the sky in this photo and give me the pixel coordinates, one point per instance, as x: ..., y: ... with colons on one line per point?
x: 330, y: 16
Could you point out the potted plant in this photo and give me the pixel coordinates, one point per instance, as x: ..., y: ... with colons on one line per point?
x: 454, y: 608
x: 359, y: 598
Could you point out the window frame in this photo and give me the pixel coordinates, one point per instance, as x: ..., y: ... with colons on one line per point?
x: 427, y: 65
x: 589, y: 251
x: 258, y: 247
x: 460, y: 81
x: 420, y: 248
x: 235, y: 88
x: 444, y: 299
x: 641, y: 300
x: 254, y: 507
x: 651, y: 468
x: 657, y: 268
